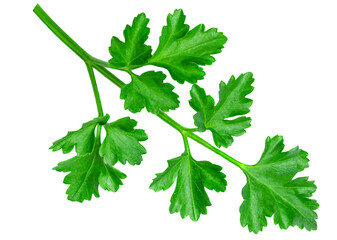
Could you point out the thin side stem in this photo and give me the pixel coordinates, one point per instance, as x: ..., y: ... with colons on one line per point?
x: 186, y: 145
x: 95, y: 89
x: 98, y: 134
x: 97, y: 99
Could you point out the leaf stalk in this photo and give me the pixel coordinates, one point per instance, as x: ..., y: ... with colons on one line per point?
x: 95, y: 89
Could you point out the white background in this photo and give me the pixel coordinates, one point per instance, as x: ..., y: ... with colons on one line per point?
x: 290, y: 46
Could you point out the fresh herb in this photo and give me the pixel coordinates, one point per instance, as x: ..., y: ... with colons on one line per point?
x: 271, y: 188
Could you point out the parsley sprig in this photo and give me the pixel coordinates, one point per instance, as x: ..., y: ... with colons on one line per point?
x: 271, y: 188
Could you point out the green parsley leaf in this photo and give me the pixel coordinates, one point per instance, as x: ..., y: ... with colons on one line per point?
x: 86, y: 173
x: 148, y: 90
x: 82, y: 139
x: 182, y: 52
x: 232, y: 102
x: 271, y: 190
x: 133, y: 53
x: 189, y: 197
x: 122, y: 142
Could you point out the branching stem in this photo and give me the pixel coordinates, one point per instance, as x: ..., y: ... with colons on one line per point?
x: 100, y: 66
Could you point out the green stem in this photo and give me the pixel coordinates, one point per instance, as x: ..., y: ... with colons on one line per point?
x: 95, y: 89
x: 100, y: 66
x: 163, y: 116
x: 99, y: 62
x: 186, y: 145
x: 98, y: 101
x: 98, y: 134
x: 115, y: 80
x: 60, y: 33
x: 68, y: 41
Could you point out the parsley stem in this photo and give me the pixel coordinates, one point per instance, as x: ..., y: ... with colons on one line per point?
x: 100, y: 66
x: 115, y: 80
x: 95, y: 89
x: 60, y: 33
x: 68, y: 41
x: 98, y: 135
x: 98, y: 101
x: 186, y: 145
